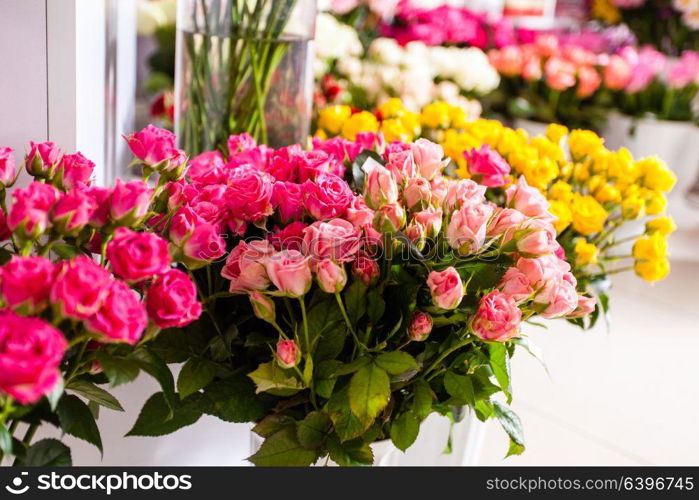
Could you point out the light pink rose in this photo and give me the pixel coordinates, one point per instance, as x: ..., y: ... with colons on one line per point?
x: 336, y: 240
x: 586, y: 306
x: 72, y: 212
x: 402, y: 165
x: 7, y: 167
x: 330, y: 275
x: 536, y: 238
x: 431, y: 220
x: 80, y: 288
x: 359, y: 214
x: 129, y: 202
x: 122, y: 317
x: 288, y: 354
x: 505, y: 223
x: 417, y: 234
x: 31, y: 351
x: 136, y: 257
x: 25, y: 283
x: 328, y: 197
x: 417, y: 193
x: 440, y: 188
x: 198, y: 241
x: 289, y: 237
x: 429, y: 158
x: 561, y: 297
x: 76, y: 170
x: 527, y: 200
x: 497, y: 318
x: 171, y: 301
x: 463, y: 192
x: 560, y: 73
x: 380, y: 186
x: 366, y: 269
x: 617, y: 73
x: 390, y: 218
x: 155, y: 147
x: 29, y: 214
x: 589, y: 80
x: 532, y: 70
x: 245, y: 266
x: 287, y: 199
x: 467, y: 229
x: 487, y: 166
x: 543, y: 269
x: 516, y: 284
x: 420, y: 327
x: 290, y: 272
x: 446, y: 288
x: 263, y: 307
x: 249, y: 194
x: 42, y: 159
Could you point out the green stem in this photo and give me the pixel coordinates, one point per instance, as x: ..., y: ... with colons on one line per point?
x: 27, y: 440
x: 305, y: 325
x: 446, y: 353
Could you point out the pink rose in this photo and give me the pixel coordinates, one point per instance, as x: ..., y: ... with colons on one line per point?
x: 263, y: 307
x: 29, y: 214
x: 155, y: 147
x: 25, y: 283
x: 586, y: 306
x: 245, y: 266
x: 341, y: 149
x: 136, y: 257
x: 429, y: 158
x: 290, y: 272
x: 80, y: 288
x: 440, y: 188
x: 487, y: 166
x: 199, y: 241
x: 516, y: 284
x: 505, y: 223
x: 463, y: 192
x: 129, y: 202
x: 417, y: 193
x: 380, y: 186
x: 359, y: 214
x: 366, y: 269
x: 536, y: 238
x: 446, y: 288
x: 76, y: 170
x: 313, y: 163
x: 560, y: 73
x: 467, y: 229
x: 431, y: 220
x: 417, y: 234
x: 207, y: 168
x: 402, y: 165
x: 288, y: 354
x: 527, y: 200
x: 283, y: 164
x: 497, y: 318
x: 336, y: 240
x: 31, y: 351
x: 122, y: 317
x: 171, y: 301
x: 72, y: 212
x: 287, y: 199
x: 42, y: 159
x: 561, y: 297
x: 248, y: 195
x: 532, y: 71
x: 7, y: 167
x: 289, y: 237
x: 589, y: 80
x: 543, y: 269
x: 330, y: 275
x: 617, y: 73
x: 241, y: 142
x: 328, y: 197
x: 390, y: 218
x: 420, y: 327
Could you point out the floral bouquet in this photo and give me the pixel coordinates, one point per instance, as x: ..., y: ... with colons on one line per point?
x: 85, y: 284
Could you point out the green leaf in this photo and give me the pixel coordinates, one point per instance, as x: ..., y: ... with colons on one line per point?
x: 77, y: 420
x: 313, y: 429
x: 325, y: 378
x: 47, y: 453
x: 346, y: 424
x: 396, y: 362
x: 482, y: 275
x: 5, y: 440
x: 283, y: 449
x: 158, y: 419
x: 95, y: 394
x: 422, y: 400
x: 270, y: 377
x: 404, y: 430
x: 65, y: 252
x: 358, y: 166
x: 331, y: 342
x: 376, y: 305
x: 351, y: 453
x: 272, y: 424
x: 483, y: 409
x: 515, y: 449
x: 195, y: 375
x: 460, y: 387
x: 355, y: 301
x: 324, y: 317
x: 5, y: 256
x: 234, y: 400
x: 500, y: 364
x: 55, y: 395
x: 352, y: 366
x: 369, y: 391
x: 152, y: 364
x: 509, y: 421
x: 118, y: 370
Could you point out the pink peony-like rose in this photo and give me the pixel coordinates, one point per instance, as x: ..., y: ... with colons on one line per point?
x: 542, y: 270
x: 417, y: 194
x: 122, y: 317
x: 245, y: 266
x: 402, y: 165
x: 463, y: 192
x: 586, y: 306
x: 136, y: 257
x: 328, y: 197
x: 536, y: 238
x: 287, y: 199
x: 420, y: 327
x: 76, y: 170
x: 241, y: 142
x: 171, y: 301
x: 72, y: 212
x: 505, y: 223
x: 288, y: 354
x: 207, y: 168
x: 31, y: 351
x: 283, y: 164
x: 290, y: 272
x: 431, y: 220
x: 249, y: 194
x: 25, y: 283
x: 7, y: 167
x: 80, y: 288
x: 429, y: 158
x: 487, y: 166
x: 380, y: 186
x: 497, y: 318
x: 446, y: 288
x: 5, y: 232
x: 527, y: 200
x: 155, y: 147
x: 561, y: 297
x: 129, y: 202
x: 289, y: 237
x: 198, y: 241
x: 516, y: 284
x: 42, y: 159
x: 336, y: 240
x: 29, y: 214
x: 617, y: 73
x: 313, y: 163
x: 330, y: 275
x: 366, y: 269
x: 467, y: 229
x: 100, y: 196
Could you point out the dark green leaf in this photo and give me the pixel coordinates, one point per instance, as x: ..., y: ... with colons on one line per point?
x: 376, y: 305
x: 404, y: 430
x: 65, y: 251
x: 77, y: 420
x: 482, y: 275
x: 196, y: 374
x: 283, y: 449
x: 369, y: 390
x: 234, y: 400
x: 351, y: 453
x: 150, y: 363
x: 47, y: 453
x: 270, y: 377
x: 5, y: 256
x: 325, y: 377
x: 352, y: 366
x: 157, y: 418
x: 509, y: 421
x: 396, y: 362
x: 460, y: 387
x: 422, y: 400
x: 272, y: 424
x: 331, y: 342
x: 355, y: 301
x: 118, y: 370
x: 5, y: 440
x: 95, y: 394
x: 346, y: 424
x: 500, y: 364
x: 323, y: 316
x: 313, y: 429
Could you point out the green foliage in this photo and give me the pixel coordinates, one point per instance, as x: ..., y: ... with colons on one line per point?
x: 404, y: 430
x: 77, y: 420
x: 282, y: 449
x: 47, y: 453
x: 369, y: 391
x: 157, y: 418
x: 94, y: 394
x: 196, y: 374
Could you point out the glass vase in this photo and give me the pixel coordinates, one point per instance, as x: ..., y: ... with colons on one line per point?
x: 244, y: 66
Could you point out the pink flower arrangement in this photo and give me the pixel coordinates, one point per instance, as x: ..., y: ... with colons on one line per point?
x: 136, y: 257
x: 171, y: 301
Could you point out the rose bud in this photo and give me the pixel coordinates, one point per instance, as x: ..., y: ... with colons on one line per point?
x: 288, y: 354
x: 536, y: 239
x: 29, y: 214
x: 75, y: 170
x: 129, y: 202
x: 7, y: 168
x: 155, y: 148
x: 381, y: 187
x: 429, y: 158
x: 290, y: 272
x: 263, y: 307
x: 331, y: 277
x: 72, y: 212
x: 100, y: 196
x: 417, y: 193
x: 431, y: 220
x: 516, y: 284
x: 467, y: 229
x: 586, y: 306
x: 389, y: 218
x: 42, y: 159
x: 420, y: 327
x: 416, y: 234
x: 446, y: 288
x: 80, y: 288
x: 197, y: 242
x: 497, y: 318
x: 366, y: 269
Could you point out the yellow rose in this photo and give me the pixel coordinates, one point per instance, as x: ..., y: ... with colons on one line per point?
x: 650, y: 247
x: 561, y: 190
x: 436, y: 115
x: 540, y: 173
x: 656, y: 174
x: 581, y: 172
x: 622, y: 167
x: 509, y: 141
x: 606, y: 193
x: 393, y: 130
x: 458, y: 117
x: 656, y: 203
x: 561, y: 210
x: 585, y: 253
x: 633, y: 207
x: 333, y: 118
x: 588, y: 215
x: 547, y: 148
x: 359, y: 122
x: 662, y: 225
x: 652, y: 270
x: 393, y: 108
x: 556, y: 132
x: 584, y: 143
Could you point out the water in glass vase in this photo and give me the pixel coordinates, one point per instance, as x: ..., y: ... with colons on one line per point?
x: 230, y: 85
